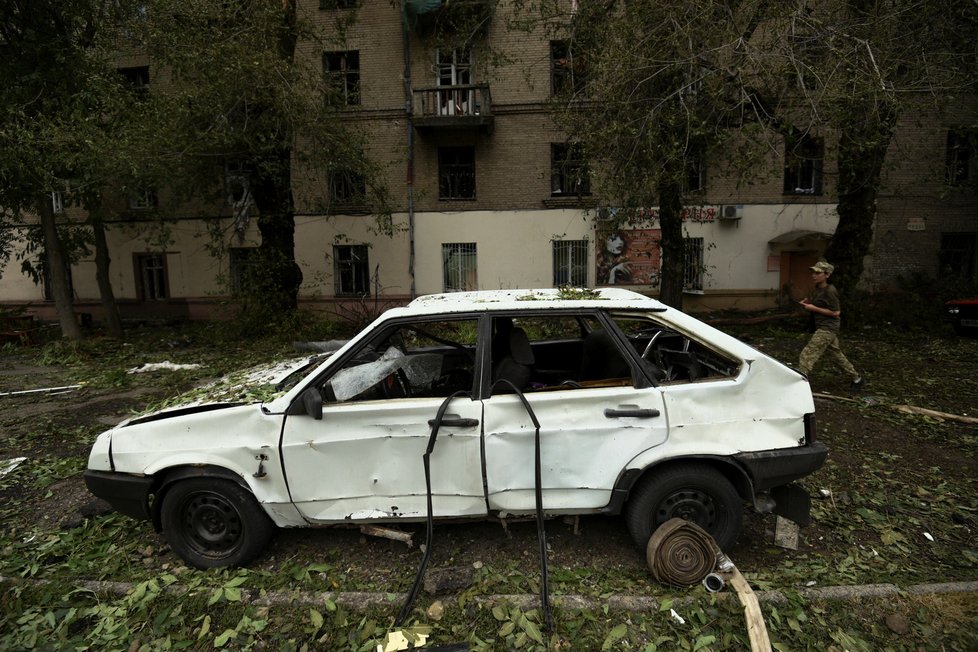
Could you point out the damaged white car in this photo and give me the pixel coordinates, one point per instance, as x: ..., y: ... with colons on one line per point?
x: 639, y: 409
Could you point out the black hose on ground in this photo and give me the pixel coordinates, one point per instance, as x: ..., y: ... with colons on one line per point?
x: 538, y: 486
x: 430, y: 528
x: 548, y: 618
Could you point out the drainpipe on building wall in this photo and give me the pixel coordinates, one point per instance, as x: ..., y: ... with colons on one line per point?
x: 409, y: 112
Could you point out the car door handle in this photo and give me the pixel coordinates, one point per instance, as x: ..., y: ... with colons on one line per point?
x: 634, y: 412
x: 455, y: 422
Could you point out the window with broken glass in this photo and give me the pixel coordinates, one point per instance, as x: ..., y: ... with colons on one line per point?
x: 569, y: 175
x: 421, y: 359
x: 347, y: 188
x: 137, y: 77
x: 351, y: 270
x: 962, y: 147
x: 565, y: 76
x: 456, y: 173
x: 342, y: 75
x: 143, y: 200
x: 338, y: 4
x: 695, y: 177
x: 803, y: 165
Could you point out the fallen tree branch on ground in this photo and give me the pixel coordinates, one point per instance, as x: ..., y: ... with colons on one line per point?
x: 906, y: 409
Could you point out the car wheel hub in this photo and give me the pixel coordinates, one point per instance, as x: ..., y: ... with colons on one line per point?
x: 689, y: 505
x: 212, y: 523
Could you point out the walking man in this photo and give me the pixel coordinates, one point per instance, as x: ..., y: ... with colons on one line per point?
x: 825, y: 308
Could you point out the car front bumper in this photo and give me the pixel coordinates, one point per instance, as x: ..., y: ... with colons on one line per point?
x: 128, y: 494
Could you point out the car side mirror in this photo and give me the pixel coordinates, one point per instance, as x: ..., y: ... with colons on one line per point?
x: 312, y: 401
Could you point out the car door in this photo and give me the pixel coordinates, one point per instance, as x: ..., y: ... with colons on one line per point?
x: 590, y: 426
x: 364, y: 459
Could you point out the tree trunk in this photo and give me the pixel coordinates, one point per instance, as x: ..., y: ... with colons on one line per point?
x: 113, y: 324
x: 863, y: 144
x: 671, y: 223
x: 57, y: 269
x: 278, y: 276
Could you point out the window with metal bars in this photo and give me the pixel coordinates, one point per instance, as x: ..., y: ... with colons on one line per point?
x: 456, y: 173
x: 693, y: 264
x: 570, y: 262
x: 460, y: 266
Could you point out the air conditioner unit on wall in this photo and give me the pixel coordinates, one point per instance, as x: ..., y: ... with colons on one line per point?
x: 731, y: 211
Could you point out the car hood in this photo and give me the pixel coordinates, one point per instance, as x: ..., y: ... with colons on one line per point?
x: 258, y: 384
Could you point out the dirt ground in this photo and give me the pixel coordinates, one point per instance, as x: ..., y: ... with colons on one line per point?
x: 59, y: 424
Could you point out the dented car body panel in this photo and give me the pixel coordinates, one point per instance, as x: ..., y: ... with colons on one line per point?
x: 621, y: 385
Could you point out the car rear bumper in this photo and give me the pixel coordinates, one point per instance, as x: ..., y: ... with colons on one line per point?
x: 128, y: 494
x: 773, y: 468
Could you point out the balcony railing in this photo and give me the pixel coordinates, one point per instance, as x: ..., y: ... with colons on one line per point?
x: 465, y: 106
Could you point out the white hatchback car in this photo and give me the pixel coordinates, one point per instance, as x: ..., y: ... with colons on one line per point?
x: 642, y: 410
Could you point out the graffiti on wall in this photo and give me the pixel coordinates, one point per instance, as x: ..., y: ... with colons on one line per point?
x: 628, y: 257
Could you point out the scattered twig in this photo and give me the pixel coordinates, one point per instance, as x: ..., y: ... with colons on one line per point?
x: 38, y: 391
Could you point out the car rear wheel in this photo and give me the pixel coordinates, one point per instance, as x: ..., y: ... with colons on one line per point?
x: 693, y: 492
x: 212, y: 522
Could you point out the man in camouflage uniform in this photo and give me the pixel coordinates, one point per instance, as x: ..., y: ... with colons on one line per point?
x: 825, y: 308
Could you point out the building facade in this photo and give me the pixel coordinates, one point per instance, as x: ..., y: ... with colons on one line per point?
x: 489, y: 194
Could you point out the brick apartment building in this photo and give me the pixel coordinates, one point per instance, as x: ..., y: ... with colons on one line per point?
x: 498, y: 201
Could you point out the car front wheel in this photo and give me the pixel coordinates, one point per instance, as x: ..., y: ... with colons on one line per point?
x: 693, y: 492
x: 212, y: 522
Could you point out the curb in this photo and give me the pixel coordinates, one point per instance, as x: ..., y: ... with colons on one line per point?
x: 633, y: 603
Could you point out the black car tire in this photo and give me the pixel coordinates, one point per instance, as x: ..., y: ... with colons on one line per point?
x: 211, y: 522
x: 694, y: 492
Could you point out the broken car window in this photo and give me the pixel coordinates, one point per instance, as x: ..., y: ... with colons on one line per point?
x: 420, y: 359
x: 676, y: 356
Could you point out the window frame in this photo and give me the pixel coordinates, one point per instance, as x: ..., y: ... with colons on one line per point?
x: 161, y: 283
x: 465, y: 275
x: 804, y: 158
x: 564, y: 77
x: 958, y: 256
x: 347, y: 187
x: 693, y: 266
x: 456, y: 177
x: 960, y: 157
x: 338, y: 4
x: 137, y: 76
x: 345, y: 77
x: 695, y: 180
x: 570, y: 175
x: 570, y: 260
x: 143, y: 200
x: 351, y: 263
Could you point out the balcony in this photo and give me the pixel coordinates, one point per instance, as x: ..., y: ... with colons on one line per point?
x: 466, y: 106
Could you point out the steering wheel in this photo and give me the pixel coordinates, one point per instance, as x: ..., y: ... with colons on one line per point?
x: 397, y: 385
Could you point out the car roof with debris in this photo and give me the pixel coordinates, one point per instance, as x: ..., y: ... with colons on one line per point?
x: 533, y: 299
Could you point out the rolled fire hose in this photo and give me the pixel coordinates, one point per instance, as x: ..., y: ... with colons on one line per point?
x: 681, y: 553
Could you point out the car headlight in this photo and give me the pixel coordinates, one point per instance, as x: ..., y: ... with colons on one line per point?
x: 953, y: 310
